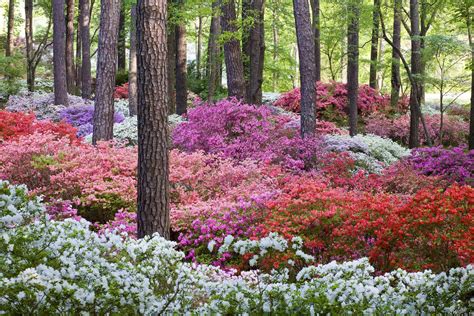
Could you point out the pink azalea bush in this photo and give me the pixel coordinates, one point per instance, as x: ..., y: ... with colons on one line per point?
x: 455, y: 131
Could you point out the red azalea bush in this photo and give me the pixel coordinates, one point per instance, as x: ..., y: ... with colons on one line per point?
x: 455, y: 131
x: 121, y: 92
x: 16, y: 124
x: 332, y: 96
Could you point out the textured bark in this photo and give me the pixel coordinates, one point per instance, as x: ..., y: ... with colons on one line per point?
x: 395, y: 75
x: 70, y: 68
x: 153, y: 169
x: 469, y: 19
x: 317, y: 38
x: 353, y: 64
x: 199, y: 48
x: 78, y: 59
x: 171, y: 42
x: 213, y: 54
x: 10, y: 28
x: 59, y: 53
x: 84, y: 19
x: 132, y: 64
x: 374, y: 45
x: 121, y: 43
x: 305, y: 40
x: 415, y: 94
x: 232, y: 52
x: 181, y: 70
x: 30, y: 71
x: 106, y: 69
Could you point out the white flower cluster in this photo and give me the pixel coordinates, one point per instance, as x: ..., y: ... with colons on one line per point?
x: 49, y: 267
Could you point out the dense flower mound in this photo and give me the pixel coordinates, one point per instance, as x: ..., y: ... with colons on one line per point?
x: 121, y: 92
x: 49, y: 266
x: 454, y: 131
x: 453, y: 164
x: 332, y: 96
x: 14, y: 125
x: 42, y: 104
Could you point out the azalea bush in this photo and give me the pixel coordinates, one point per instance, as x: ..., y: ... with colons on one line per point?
x: 49, y: 266
x: 121, y: 92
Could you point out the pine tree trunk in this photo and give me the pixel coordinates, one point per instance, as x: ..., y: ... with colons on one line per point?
x: 106, y: 70
x: 171, y: 42
x: 10, y: 28
x: 121, y: 43
x: 70, y: 68
x: 353, y: 64
x: 181, y: 70
x: 30, y: 70
x: 59, y: 53
x: 395, y: 76
x: 471, y: 121
x: 86, y: 84
x: 199, y: 48
x: 305, y: 40
x: 256, y: 51
x: 374, y: 45
x: 153, y: 169
x: 317, y: 37
x: 415, y: 97
x: 78, y: 59
x: 132, y: 67
x: 232, y: 52
x: 213, y: 53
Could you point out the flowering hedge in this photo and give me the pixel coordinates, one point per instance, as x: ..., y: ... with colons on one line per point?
x: 50, y: 266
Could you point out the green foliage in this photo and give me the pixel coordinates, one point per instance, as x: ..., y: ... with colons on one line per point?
x: 121, y: 77
x: 11, y: 71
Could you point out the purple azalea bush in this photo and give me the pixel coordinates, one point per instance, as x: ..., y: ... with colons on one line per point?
x: 453, y: 164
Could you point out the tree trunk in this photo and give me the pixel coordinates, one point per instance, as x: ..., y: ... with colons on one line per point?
x: 153, y: 169
x: 374, y: 45
x: 106, y: 69
x: 232, y: 52
x: 132, y: 67
x: 305, y: 41
x: 317, y: 38
x: 30, y: 72
x: 78, y: 59
x: 395, y: 76
x: 213, y: 53
x: 415, y: 96
x: 353, y: 64
x: 181, y: 71
x: 121, y: 43
x: 86, y: 45
x: 471, y: 44
x: 59, y: 53
x: 199, y: 48
x: 70, y: 68
x: 10, y: 28
x: 256, y: 54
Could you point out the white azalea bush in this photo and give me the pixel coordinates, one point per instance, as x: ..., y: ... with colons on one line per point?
x: 371, y: 152
x: 62, y: 267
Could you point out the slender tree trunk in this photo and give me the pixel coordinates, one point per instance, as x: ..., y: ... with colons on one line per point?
x: 121, y: 43
x: 171, y: 42
x: 213, y: 53
x: 86, y: 45
x: 10, y: 28
x: 153, y: 168
x: 132, y: 67
x: 415, y: 94
x: 30, y: 72
x: 106, y: 70
x: 181, y: 71
x: 305, y: 40
x: 471, y: 44
x: 317, y: 38
x: 395, y: 76
x: 374, y: 45
x: 232, y: 52
x: 59, y: 53
x: 78, y: 59
x: 199, y: 48
x: 353, y: 64
x: 70, y: 68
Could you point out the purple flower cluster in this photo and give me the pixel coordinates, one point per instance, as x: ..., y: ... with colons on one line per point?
x: 59, y: 210
x: 453, y: 164
x: 244, y: 131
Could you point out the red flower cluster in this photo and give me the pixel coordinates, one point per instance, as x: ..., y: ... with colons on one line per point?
x: 121, y: 92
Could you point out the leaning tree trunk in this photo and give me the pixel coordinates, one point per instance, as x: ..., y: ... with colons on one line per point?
x: 106, y: 69
x: 232, y: 52
x: 59, y: 53
x: 374, y: 45
x: 70, y: 68
x: 132, y: 65
x: 153, y: 169
x: 353, y: 64
x: 213, y: 53
x: 30, y: 69
x: 10, y: 28
x: 256, y: 54
x: 395, y: 76
x: 415, y: 94
x: 317, y: 38
x: 86, y: 83
x: 305, y: 40
x: 121, y: 43
x: 181, y: 71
